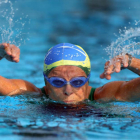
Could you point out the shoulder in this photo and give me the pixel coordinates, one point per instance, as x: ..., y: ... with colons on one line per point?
x: 23, y: 86
x: 108, y: 91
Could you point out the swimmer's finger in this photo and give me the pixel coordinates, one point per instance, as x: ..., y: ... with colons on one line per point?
x: 16, y: 56
x: 108, y: 76
x: 117, y: 67
x: 102, y: 76
x: 109, y: 69
x: 106, y: 67
x: 16, y: 59
x: 7, y: 49
x: 15, y: 51
x: 125, y: 61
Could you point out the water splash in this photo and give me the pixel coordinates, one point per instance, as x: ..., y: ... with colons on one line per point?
x: 11, y: 26
x: 128, y: 42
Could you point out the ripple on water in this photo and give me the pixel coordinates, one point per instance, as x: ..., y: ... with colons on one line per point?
x: 44, y: 118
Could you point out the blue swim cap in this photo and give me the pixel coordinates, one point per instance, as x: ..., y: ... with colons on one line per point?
x: 66, y: 54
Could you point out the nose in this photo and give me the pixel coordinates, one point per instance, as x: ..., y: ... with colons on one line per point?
x: 68, y: 90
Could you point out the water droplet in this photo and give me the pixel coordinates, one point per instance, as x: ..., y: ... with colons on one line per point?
x: 126, y: 43
x: 6, y: 1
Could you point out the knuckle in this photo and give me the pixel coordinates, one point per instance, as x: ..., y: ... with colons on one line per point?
x: 105, y: 67
x: 5, y: 46
x: 107, y: 63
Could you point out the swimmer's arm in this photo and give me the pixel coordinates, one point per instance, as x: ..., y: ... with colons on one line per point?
x: 135, y: 66
x: 14, y: 86
x: 11, y: 87
x: 119, y: 90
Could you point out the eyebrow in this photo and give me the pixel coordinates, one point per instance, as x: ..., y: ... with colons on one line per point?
x: 58, y: 72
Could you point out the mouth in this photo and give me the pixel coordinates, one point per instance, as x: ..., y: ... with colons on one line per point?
x: 70, y: 102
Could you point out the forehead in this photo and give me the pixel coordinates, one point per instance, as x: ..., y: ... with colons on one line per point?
x: 62, y: 71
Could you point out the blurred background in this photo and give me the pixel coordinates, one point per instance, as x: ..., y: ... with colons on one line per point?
x: 37, y: 25
x: 92, y: 24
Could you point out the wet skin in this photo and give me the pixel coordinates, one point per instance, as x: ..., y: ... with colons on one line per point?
x: 68, y: 93
x: 117, y: 90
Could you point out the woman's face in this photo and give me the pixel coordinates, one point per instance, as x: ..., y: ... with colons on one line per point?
x: 67, y: 93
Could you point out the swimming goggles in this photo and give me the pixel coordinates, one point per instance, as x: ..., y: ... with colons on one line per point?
x: 60, y: 82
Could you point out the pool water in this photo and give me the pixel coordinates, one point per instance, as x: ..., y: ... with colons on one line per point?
x: 30, y: 118
x: 92, y: 25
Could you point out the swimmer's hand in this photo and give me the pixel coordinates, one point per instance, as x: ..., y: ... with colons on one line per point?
x: 115, y: 65
x: 10, y: 52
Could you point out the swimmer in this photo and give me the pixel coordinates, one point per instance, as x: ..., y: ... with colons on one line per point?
x: 66, y: 75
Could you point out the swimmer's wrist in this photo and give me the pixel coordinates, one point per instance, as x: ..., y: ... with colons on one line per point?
x: 2, y: 54
x: 129, y: 61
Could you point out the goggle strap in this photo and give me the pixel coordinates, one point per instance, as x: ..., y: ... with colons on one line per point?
x: 45, y: 76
